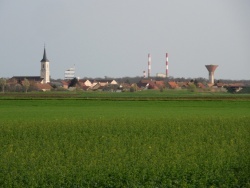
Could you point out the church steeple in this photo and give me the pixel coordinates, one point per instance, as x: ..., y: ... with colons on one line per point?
x: 45, y: 73
x: 44, y: 56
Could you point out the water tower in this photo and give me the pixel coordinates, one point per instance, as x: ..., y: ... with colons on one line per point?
x: 211, y: 69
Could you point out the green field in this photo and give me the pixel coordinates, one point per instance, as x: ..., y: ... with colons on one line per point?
x: 128, y: 142
x: 140, y: 95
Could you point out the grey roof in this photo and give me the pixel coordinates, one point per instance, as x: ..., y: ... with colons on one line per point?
x: 44, y: 56
x: 101, y: 80
x: 30, y: 78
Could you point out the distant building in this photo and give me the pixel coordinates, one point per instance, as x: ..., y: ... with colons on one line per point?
x: 161, y: 75
x: 148, y: 84
x: 69, y: 74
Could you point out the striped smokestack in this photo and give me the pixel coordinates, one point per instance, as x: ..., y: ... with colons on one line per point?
x: 149, y: 65
x: 166, y: 64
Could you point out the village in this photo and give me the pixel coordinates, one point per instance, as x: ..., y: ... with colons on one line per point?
x: 161, y: 83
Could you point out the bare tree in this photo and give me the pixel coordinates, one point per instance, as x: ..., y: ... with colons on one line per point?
x: 3, y: 83
x: 26, y: 84
x: 15, y: 83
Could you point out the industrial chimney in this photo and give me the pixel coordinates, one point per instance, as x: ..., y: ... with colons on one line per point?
x: 167, y: 65
x: 149, y: 65
x: 211, y: 69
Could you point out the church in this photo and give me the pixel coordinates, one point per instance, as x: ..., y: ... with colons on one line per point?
x: 44, y: 72
x: 42, y: 81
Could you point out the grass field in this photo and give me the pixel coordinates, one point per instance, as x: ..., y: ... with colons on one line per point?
x: 124, y: 143
x: 140, y: 95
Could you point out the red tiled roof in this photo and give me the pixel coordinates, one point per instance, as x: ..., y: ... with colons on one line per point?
x: 173, y: 85
x: 64, y: 82
x: 182, y: 84
x: 200, y: 85
x: 152, y: 85
x: 125, y: 85
x: 160, y: 84
x: 236, y: 85
x: 43, y: 86
x: 221, y: 84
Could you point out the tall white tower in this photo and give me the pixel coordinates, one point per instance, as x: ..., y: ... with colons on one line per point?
x: 45, y: 73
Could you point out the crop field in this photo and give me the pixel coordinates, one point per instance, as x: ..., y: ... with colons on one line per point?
x: 78, y: 142
x: 140, y: 95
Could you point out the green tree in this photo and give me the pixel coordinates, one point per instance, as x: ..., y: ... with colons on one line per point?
x: 26, y: 84
x: 3, y: 83
x: 133, y: 88
x: 196, y: 82
x: 191, y: 87
x: 161, y: 89
x: 14, y: 84
x: 74, y: 82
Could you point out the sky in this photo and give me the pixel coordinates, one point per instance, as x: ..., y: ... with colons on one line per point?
x: 113, y: 38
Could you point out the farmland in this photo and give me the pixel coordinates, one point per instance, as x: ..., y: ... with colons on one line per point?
x: 143, y: 141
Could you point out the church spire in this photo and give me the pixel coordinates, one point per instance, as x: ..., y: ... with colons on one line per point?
x: 44, y: 56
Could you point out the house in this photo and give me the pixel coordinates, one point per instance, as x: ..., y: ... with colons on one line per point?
x: 201, y: 85
x: 220, y: 85
x: 211, y: 85
x: 103, y: 82
x: 146, y: 84
x: 100, y: 84
x: 235, y: 87
x: 143, y: 84
x: 85, y: 88
x: 85, y: 82
x: 152, y: 85
x: 96, y: 87
x: 182, y: 85
x: 110, y: 88
x: 65, y: 84
x: 172, y: 85
x: 43, y: 87
x: 160, y: 84
x: 124, y: 87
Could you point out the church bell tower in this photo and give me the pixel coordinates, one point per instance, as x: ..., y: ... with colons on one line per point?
x: 45, y: 73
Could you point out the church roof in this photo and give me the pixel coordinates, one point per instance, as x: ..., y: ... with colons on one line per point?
x: 44, y: 56
x: 20, y: 79
x: 30, y: 78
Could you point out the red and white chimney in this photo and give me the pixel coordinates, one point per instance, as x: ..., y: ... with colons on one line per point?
x: 149, y: 65
x: 166, y: 64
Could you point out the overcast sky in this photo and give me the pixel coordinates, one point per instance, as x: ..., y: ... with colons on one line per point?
x: 113, y: 37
